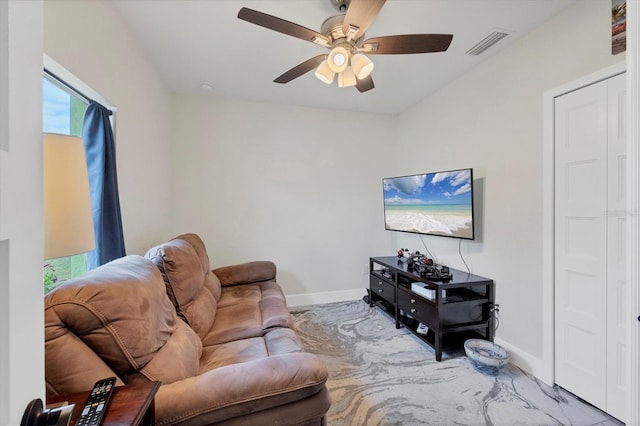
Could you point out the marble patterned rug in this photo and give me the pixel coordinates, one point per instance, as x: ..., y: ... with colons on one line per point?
x: 379, y: 375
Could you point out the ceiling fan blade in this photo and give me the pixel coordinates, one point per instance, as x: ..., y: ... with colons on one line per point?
x: 409, y: 43
x: 282, y: 26
x: 361, y: 14
x: 300, y: 69
x: 365, y: 84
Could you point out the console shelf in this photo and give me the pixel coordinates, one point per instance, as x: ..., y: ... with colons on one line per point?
x: 455, y: 310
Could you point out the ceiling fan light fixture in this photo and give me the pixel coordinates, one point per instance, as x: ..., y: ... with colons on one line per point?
x: 338, y: 59
x: 362, y: 65
x: 347, y: 78
x: 324, y: 73
x: 344, y: 35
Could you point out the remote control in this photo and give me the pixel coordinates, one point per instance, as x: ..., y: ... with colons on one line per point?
x: 96, y: 404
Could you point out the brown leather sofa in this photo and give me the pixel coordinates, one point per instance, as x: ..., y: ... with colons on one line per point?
x: 221, y: 342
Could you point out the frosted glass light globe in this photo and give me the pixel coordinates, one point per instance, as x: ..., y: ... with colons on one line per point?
x: 338, y: 59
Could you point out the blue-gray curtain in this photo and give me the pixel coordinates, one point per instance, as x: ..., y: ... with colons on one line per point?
x: 101, y: 164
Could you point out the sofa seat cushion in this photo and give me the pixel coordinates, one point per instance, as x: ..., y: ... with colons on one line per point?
x: 221, y: 394
x: 121, y: 312
x: 248, y: 310
x: 266, y: 290
x: 267, y: 295
x: 278, y: 341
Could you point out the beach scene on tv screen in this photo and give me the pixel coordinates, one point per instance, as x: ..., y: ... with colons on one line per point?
x: 433, y: 203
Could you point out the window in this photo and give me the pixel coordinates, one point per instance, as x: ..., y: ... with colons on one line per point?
x: 63, y: 112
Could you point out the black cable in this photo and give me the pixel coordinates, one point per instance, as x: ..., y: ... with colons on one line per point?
x: 460, y: 253
x: 428, y: 252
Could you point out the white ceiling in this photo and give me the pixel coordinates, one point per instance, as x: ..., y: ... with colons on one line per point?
x: 196, y: 41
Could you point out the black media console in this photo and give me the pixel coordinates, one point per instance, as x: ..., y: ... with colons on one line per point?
x: 454, y: 310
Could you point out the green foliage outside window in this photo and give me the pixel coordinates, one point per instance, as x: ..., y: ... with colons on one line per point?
x: 57, y: 271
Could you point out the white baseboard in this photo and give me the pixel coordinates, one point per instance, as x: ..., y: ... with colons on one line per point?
x: 325, y: 297
x: 528, y: 363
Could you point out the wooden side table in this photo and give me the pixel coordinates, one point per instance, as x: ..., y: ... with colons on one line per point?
x: 129, y: 405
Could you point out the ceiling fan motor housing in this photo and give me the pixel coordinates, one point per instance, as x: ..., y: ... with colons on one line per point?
x: 332, y: 28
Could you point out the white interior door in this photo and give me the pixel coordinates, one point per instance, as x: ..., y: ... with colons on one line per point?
x: 617, y: 293
x: 581, y: 242
x: 590, y: 241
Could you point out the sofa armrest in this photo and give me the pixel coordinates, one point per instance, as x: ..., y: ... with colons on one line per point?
x: 246, y: 273
x: 240, y: 389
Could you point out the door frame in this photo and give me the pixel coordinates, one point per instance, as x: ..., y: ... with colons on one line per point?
x: 548, y: 214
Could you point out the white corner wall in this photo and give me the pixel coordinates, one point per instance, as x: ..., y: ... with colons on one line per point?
x: 21, y: 217
x: 91, y: 40
x: 491, y: 119
x: 299, y: 186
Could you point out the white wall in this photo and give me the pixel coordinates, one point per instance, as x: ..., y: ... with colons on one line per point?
x: 299, y: 186
x: 491, y: 119
x: 21, y: 217
x: 90, y: 39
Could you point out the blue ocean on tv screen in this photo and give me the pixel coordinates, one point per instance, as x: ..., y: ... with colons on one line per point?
x: 432, y: 203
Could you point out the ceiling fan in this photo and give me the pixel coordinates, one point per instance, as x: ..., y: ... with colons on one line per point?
x: 343, y: 34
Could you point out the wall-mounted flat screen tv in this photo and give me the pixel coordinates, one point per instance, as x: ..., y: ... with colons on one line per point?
x: 431, y: 203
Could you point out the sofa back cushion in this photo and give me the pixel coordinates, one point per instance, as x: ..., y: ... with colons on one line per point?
x: 191, y: 287
x: 211, y: 281
x: 121, y: 312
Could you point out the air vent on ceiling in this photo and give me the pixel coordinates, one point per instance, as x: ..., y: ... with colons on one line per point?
x: 494, y: 36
